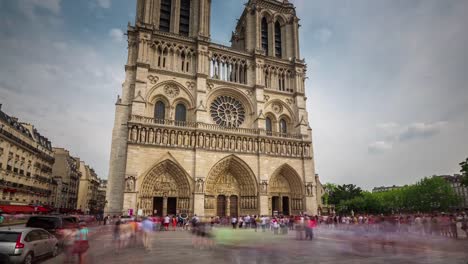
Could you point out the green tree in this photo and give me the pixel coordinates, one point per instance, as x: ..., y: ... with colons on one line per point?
x: 464, y: 172
x: 339, y: 194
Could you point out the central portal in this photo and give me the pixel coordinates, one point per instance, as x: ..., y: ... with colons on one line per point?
x: 231, y: 189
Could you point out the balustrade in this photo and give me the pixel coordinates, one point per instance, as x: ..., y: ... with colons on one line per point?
x: 143, y: 130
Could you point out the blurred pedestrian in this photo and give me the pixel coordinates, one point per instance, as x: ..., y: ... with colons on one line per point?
x: 81, y: 244
x: 166, y: 220
x: 174, y: 223
x: 117, y: 238
x: 234, y: 222
x: 147, y: 227
x: 69, y: 234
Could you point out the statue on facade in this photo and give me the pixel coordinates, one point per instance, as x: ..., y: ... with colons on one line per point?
x: 200, y: 185
x: 130, y: 185
x: 309, y: 190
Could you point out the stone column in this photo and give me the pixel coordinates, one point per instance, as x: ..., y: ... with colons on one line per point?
x: 280, y: 204
x: 199, y: 204
x: 164, y: 212
x: 264, y: 205
x: 228, y: 205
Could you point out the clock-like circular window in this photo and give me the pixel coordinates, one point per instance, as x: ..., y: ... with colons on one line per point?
x: 227, y: 111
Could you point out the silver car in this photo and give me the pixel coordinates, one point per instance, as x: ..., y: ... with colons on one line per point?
x: 23, y: 245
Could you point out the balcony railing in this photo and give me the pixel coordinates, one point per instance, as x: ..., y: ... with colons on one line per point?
x: 170, y: 133
x: 214, y: 127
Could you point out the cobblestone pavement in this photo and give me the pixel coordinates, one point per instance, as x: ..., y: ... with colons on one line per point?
x: 328, y: 246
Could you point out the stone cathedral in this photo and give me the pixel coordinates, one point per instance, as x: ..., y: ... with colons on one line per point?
x: 202, y: 128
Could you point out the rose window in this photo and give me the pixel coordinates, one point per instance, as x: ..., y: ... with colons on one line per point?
x: 227, y: 111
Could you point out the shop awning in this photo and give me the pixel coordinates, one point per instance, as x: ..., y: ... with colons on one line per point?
x: 19, y: 209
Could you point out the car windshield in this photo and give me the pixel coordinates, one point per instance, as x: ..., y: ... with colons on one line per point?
x: 43, y: 222
x: 8, y: 236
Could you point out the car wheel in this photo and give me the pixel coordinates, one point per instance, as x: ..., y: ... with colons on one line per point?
x: 28, y: 259
x: 55, y: 251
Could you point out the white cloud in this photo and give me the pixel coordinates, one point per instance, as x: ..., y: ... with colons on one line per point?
x: 116, y: 34
x: 421, y: 130
x: 379, y: 147
x: 392, y: 133
x: 104, y: 3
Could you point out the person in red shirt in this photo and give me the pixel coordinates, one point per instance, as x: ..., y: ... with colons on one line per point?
x: 174, y: 223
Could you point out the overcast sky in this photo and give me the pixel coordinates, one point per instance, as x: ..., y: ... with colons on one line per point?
x: 387, y: 88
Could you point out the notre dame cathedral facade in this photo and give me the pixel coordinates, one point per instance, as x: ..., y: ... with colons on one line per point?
x: 206, y: 129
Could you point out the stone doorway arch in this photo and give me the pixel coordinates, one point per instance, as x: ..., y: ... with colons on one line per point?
x: 285, y: 192
x: 166, y: 189
x: 231, y: 189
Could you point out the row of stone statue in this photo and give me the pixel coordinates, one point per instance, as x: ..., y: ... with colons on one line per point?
x: 186, y: 139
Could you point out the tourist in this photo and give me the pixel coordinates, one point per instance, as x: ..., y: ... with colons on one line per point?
x: 117, y: 239
x: 234, y: 222
x: 166, y: 220
x: 275, y: 226
x: 263, y: 222
x: 174, y: 223
x: 69, y: 235
x: 147, y: 227
x: 81, y: 244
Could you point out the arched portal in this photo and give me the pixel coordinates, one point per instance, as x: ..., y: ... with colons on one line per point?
x: 231, y: 189
x: 286, y: 194
x: 165, y: 189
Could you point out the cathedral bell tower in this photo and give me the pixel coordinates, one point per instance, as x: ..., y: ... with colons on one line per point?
x: 189, y: 18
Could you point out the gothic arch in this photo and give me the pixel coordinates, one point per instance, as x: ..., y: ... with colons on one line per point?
x: 232, y: 171
x: 266, y: 14
x: 280, y: 18
x: 171, y: 173
x: 152, y: 92
x: 285, y: 180
x: 286, y: 110
x: 165, y: 179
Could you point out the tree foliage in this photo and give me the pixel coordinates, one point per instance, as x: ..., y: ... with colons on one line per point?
x: 339, y: 193
x: 464, y: 172
x: 428, y: 195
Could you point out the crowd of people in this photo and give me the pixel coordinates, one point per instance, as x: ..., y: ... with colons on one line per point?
x: 447, y: 225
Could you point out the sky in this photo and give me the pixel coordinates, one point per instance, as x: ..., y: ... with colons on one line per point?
x: 387, y: 80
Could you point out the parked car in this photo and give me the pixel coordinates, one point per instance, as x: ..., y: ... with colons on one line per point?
x: 54, y: 224
x: 24, y: 245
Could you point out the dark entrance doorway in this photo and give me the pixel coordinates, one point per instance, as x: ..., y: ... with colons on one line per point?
x: 233, y: 205
x: 221, y: 206
x: 171, y: 206
x: 158, y: 206
x: 285, y: 205
x: 275, y: 203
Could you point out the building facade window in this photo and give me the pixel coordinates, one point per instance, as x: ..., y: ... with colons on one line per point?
x: 278, y: 44
x: 181, y: 114
x: 184, y: 24
x: 265, y: 35
x: 165, y: 17
x: 268, y: 126
x: 160, y: 111
x: 283, y: 126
